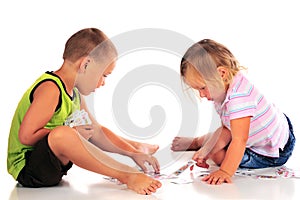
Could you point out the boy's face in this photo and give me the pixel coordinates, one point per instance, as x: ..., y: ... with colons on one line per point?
x: 106, y: 72
x: 94, y: 76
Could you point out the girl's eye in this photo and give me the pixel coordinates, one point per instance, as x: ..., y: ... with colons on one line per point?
x: 104, y: 75
x: 202, y: 88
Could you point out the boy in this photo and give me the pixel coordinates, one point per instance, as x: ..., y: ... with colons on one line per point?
x: 42, y: 149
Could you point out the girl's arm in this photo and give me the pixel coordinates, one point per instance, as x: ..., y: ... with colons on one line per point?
x: 216, y: 142
x: 234, y: 154
x: 42, y: 108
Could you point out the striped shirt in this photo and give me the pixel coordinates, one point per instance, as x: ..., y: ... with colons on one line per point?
x: 269, y: 129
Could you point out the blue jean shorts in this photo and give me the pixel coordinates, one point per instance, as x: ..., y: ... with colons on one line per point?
x: 254, y: 160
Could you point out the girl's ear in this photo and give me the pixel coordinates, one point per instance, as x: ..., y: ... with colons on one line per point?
x: 83, y: 64
x: 223, y: 71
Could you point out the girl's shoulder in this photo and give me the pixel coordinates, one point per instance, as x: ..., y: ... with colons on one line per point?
x: 240, y: 87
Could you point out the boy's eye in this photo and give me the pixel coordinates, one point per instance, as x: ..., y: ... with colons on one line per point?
x: 202, y: 88
x: 104, y: 75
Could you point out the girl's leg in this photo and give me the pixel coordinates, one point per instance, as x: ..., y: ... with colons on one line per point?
x: 218, y: 157
x: 214, y: 147
x: 217, y: 154
x: 188, y: 143
x: 68, y: 145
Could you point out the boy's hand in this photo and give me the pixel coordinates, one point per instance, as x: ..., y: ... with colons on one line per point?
x: 141, y: 158
x: 85, y: 131
x: 218, y: 177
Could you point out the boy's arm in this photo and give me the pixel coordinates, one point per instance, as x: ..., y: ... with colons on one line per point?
x: 234, y: 154
x: 106, y: 139
x: 42, y: 108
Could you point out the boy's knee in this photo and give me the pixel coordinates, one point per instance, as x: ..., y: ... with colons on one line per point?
x: 61, y: 134
x: 59, y: 140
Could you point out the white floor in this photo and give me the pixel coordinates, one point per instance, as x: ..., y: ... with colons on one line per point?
x: 81, y: 184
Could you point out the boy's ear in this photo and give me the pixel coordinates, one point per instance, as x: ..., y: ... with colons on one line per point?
x: 83, y: 64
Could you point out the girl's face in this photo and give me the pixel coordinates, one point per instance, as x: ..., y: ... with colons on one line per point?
x: 208, y: 91
x: 194, y: 80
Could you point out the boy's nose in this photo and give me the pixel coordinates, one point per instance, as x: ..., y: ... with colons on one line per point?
x: 101, y: 83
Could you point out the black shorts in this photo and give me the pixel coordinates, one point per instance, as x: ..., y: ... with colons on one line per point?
x: 42, y: 169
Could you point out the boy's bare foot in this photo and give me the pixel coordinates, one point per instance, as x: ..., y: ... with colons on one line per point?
x: 147, y: 148
x: 142, y: 184
x: 185, y: 144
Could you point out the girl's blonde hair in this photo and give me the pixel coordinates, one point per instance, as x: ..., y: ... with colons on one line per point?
x: 205, y: 57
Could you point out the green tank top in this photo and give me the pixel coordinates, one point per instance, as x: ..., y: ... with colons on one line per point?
x: 66, y: 106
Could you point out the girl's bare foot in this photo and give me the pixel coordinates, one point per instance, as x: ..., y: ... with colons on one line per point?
x: 142, y: 184
x: 186, y: 144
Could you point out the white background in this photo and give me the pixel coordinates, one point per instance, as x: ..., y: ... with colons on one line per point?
x: 263, y: 35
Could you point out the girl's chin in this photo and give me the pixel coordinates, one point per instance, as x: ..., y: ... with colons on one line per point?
x: 219, y: 99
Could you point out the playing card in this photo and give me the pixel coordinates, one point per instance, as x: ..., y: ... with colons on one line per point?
x: 77, y: 118
x: 184, y: 167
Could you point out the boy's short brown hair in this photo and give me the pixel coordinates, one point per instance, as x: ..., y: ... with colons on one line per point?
x: 84, y: 42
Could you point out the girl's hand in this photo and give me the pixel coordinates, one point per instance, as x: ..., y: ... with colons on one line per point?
x: 200, y: 159
x: 202, y: 163
x: 218, y: 177
x: 85, y: 131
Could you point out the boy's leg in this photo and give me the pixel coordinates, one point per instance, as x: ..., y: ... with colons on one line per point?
x: 68, y: 145
x: 143, y: 147
x: 42, y: 167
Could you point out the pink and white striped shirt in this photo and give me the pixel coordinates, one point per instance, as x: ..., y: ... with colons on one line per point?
x: 269, y: 129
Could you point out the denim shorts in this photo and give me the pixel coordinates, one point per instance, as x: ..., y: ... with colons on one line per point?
x: 254, y: 160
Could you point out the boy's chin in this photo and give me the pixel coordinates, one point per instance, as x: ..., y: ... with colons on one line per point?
x: 86, y: 93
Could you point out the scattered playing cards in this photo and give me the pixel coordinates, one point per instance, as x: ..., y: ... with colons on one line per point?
x: 287, y: 172
x: 189, y: 164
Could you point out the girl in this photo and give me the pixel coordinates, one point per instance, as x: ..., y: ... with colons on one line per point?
x: 254, y: 133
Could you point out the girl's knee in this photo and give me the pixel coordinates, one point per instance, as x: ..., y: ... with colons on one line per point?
x: 225, y: 130
x: 219, y: 157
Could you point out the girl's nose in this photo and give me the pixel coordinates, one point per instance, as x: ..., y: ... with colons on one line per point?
x: 202, y: 94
